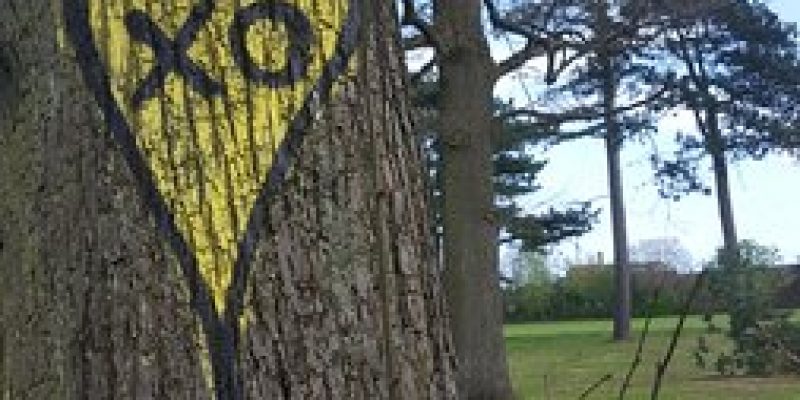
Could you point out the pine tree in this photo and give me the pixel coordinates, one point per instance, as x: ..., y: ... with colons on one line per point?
x: 739, y: 76
x: 607, y: 69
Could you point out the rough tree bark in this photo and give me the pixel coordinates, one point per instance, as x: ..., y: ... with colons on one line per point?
x: 467, y: 80
x: 342, y: 299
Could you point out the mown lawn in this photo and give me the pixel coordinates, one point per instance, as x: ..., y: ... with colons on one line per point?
x: 560, y: 360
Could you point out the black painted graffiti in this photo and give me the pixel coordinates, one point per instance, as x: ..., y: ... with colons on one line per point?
x: 300, y: 38
x: 171, y: 55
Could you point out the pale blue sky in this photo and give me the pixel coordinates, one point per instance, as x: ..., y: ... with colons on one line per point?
x: 765, y: 193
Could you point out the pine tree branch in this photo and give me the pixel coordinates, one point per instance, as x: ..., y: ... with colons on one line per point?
x: 520, y: 58
x: 503, y: 24
x: 582, y: 113
x: 536, y: 45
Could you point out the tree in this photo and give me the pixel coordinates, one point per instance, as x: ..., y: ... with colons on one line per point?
x: 467, y: 74
x: 739, y: 77
x: 530, y: 290
x: 604, y: 65
x: 466, y: 127
x: 763, y: 338
x: 668, y: 250
x: 215, y: 266
x: 516, y: 169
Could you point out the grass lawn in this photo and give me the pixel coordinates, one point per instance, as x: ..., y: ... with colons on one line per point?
x: 560, y: 360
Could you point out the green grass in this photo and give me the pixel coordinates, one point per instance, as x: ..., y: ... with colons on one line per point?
x: 560, y: 360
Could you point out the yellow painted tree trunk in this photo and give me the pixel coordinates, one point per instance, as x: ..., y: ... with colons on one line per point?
x: 213, y: 200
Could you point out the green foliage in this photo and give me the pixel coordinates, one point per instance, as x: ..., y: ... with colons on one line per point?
x: 763, y: 339
x: 739, y: 70
x: 531, y: 286
x: 589, y: 293
x: 515, y: 168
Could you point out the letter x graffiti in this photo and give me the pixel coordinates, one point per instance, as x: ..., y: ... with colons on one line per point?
x: 171, y: 55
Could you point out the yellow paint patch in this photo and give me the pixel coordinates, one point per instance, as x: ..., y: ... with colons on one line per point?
x: 210, y: 157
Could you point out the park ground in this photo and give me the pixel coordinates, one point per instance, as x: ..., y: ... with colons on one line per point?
x: 560, y: 360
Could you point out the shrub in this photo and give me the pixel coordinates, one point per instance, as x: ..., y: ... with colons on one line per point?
x: 763, y: 340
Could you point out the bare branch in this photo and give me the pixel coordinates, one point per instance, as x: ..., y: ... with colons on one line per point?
x: 554, y: 72
x: 503, y: 24
x: 537, y: 44
x: 581, y: 113
x: 595, y: 386
x: 661, y: 367
x: 637, y: 358
x: 520, y: 58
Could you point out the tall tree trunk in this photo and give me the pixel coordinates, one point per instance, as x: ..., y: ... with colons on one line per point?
x: 719, y: 166
x: 622, y: 274
x: 338, y: 293
x: 724, y: 203
x: 613, y: 139
x: 470, y: 230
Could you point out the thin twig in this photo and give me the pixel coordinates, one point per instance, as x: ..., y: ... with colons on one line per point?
x: 595, y: 386
x: 637, y: 359
x: 661, y: 367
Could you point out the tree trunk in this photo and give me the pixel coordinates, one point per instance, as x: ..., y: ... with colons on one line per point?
x: 622, y: 275
x: 613, y: 139
x: 720, y: 168
x: 470, y: 230
x: 105, y: 289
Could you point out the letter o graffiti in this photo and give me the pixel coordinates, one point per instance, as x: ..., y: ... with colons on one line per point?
x: 298, y: 52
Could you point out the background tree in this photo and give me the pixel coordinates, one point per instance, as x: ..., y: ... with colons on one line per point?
x: 467, y: 75
x: 531, y: 286
x: 738, y: 75
x: 762, y: 339
x: 343, y: 299
x: 516, y: 169
x: 668, y: 250
x: 466, y: 127
x: 604, y: 69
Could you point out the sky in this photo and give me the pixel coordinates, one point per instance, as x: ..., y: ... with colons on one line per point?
x: 765, y: 193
